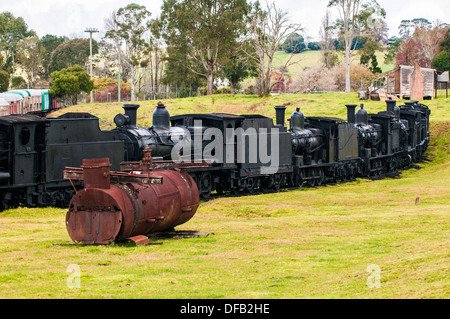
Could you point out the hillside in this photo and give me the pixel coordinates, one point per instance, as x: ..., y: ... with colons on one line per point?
x: 307, y: 59
x: 323, y: 104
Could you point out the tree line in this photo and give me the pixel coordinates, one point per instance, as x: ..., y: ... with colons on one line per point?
x: 200, y: 43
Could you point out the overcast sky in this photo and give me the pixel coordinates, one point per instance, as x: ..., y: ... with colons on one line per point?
x: 72, y: 17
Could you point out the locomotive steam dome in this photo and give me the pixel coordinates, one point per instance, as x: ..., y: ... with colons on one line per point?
x: 297, y: 120
x: 161, y: 117
x: 362, y: 116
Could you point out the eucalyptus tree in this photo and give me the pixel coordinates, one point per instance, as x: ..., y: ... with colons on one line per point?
x: 12, y: 31
x: 70, y: 53
x: 30, y: 56
x: 156, y: 42
x: 48, y: 43
x: 355, y: 16
x: 129, y: 26
x: 202, y: 29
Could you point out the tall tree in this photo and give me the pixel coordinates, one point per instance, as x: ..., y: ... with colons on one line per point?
x: 157, y: 52
x: 30, y: 56
x: 203, y: 28
x: 429, y: 43
x: 419, y: 44
x: 49, y: 43
x: 72, y: 52
x: 445, y: 43
x: 406, y: 28
x: 12, y: 31
x: 268, y: 29
x: 130, y: 25
x: 368, y: 56
x: 112, y: 34
x: 329, y: 56
x: 355, y: 15
x: 177, y: 71
x: 236, y: 66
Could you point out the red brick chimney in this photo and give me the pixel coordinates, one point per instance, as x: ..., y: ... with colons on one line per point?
x: 416, y: 83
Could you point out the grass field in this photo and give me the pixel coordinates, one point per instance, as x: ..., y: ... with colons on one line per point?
x: 305, y: 243
x: 299, y: 62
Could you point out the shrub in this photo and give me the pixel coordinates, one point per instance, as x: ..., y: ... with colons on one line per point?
x: 4, y: 81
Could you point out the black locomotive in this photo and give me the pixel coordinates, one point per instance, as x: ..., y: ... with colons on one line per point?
x: 247, y: 152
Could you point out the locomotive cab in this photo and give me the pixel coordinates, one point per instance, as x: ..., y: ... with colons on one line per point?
x: 22, y: 139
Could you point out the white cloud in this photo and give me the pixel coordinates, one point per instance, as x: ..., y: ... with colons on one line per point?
x: 69, y: 17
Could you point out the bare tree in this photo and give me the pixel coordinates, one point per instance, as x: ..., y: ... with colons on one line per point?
x: 427, y: 44
x: 112, y: 26
x: 355, y: 15
x: 348, y: 9
x: 157, y: 54
x: 268, y: 30
x: 129, y: 26
x: 327, y: 44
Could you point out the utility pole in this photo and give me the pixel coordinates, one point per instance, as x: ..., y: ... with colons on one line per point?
x: 91, y: 30
x: 118, y: 81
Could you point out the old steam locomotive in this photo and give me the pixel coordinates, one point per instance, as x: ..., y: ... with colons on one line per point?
x: 246, y: 153
x: 252, y: 154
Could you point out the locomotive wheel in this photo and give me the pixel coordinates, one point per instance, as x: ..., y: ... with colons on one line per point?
x: 266, y: 184
x: 301, y: 178
x: 205, y: 185
x: 219, y: 189
x: 312, y: 180
x: 277, y: 181
x: 321, y: 177
x: 235, y: 191
x: 297, y: 179
x: 252, y: 185
x: 344, y: 174
x: 351, y: 172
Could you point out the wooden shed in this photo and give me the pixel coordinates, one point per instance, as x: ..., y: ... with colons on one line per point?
x: 413, y: 81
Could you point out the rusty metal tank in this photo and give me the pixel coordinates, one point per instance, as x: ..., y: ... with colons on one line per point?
x: 114, y: 206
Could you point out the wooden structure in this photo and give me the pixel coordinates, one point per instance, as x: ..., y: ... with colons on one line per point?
x: 442, y: 79
x: 411, y: 81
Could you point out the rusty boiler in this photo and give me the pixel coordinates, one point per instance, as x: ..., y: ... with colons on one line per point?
x: 115, y: 206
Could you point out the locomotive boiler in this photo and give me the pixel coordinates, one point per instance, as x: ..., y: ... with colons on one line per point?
x: 115, y: 206
x: 160, y: 138
x: 306, y: 143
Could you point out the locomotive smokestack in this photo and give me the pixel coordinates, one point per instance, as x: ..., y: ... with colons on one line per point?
x: 351, y: 112
x: 96, y: 173
x: 390, y: 104
x: 161, y: 117
x: 131, y: 112
x: 279, y: 114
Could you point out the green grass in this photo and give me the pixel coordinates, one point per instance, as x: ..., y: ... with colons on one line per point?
x: 301, y: 61
x: 323, y: 104
x: 305, y: 243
